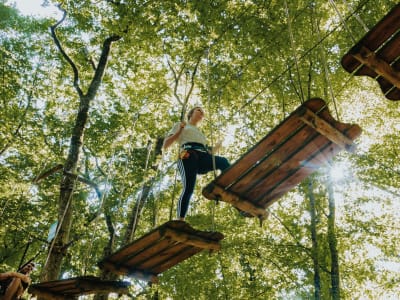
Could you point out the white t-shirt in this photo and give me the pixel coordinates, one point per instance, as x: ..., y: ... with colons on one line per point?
x: 189, y: 134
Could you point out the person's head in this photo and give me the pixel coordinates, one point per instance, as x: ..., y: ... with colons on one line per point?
x: 197, y: 112
x: 27, y: 268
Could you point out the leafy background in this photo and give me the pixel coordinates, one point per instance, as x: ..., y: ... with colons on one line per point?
x: 249, y: 64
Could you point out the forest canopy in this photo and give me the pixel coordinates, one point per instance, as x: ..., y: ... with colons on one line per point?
x: 88, y: 96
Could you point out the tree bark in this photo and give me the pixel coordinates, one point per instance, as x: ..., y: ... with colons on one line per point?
x: 314, y: 239
x: 335, y: 278
x: 58, y: 249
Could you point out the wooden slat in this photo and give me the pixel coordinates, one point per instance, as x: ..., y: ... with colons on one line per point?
x: 261, y: 149
x: 273, y: 161
x: 280, y: 175
x: 171, y: 253
x: 320, y: 156
x: 185, y: 253
x: 155, y: 249
x: 137, y: 246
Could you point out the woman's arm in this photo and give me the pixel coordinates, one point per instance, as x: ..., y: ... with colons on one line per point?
x: 169, y: 140
x: 215, y: 148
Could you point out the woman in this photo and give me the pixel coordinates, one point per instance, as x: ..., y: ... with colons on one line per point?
x: 195, y: 157
x: 15, y: 283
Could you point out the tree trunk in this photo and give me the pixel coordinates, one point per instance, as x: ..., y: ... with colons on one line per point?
x: 314, y: 250
x: 335, y: 278
x: 107, y: 252
x: 58, y: 249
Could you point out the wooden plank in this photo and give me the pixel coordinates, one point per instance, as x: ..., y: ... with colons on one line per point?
x: 269, y: 144
x: 67, y: 288
x: 315, y: 160
x: 135, y: 246
x: 298, y: 175
x: 274, y: 160
x: 257, y: 152
x: 156, y: 249
x: 184, y: 254
x: 191, y: 239
x: 369, y: 58
x: 185, y: 227
x: 326, y: 129
x: 389, y: 52
x: 216, y: 192
x: 279, y: 176
x: 393, y: 94
x: 169, y: 254
x: 383, y: 30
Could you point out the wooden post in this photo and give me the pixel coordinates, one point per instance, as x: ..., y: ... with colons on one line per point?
x: 381, y: 67
x: 326, y: 129
x: 213, y: 191
x: 190, y: 239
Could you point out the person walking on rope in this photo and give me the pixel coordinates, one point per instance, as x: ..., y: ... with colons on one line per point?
x: 195, y: 156
x: 13, y: 284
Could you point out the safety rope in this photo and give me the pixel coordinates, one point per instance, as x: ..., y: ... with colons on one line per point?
x: 293, y: 46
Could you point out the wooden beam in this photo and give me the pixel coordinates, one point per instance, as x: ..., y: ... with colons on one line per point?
x: 126, y: 271
x: 326, y: 129
x: 214, y: 191
x: 192, y: 240
x: 381, y: 67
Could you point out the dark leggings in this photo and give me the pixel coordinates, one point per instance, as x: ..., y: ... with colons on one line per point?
x: 198, y: 162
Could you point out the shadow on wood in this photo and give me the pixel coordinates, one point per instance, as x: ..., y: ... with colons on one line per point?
x: 297, y: 147
x: 159, y: 250
x: 377, y: 55
x: 73, y: 287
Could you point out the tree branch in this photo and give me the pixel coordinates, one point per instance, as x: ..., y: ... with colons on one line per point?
x: 63, y: 53
x: 46, y: 174
x: 101, y: 66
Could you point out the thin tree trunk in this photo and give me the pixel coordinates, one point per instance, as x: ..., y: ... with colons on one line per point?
x: 146, y: 189
x: 335, y: 278
x: 314, y: 239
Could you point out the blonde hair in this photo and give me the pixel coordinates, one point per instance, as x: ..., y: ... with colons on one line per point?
x: 190, y: 113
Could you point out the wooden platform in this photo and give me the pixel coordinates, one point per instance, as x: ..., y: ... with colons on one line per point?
x: 304, y: 141
x: 377, y: 55
x: 74, y: 287
x: 159, y: 250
